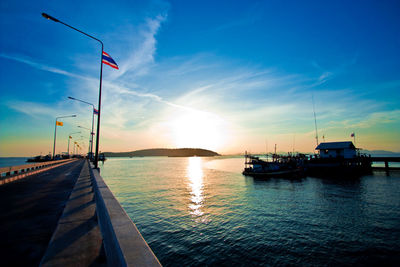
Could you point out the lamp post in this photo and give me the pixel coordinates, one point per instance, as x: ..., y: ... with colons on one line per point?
x: 89, y: 139
x: 91, y: 133
x: 96, y: 158
x: 74, y: 147
x: 76, y: 143
x: 55, y: 131
x: 69, y: 137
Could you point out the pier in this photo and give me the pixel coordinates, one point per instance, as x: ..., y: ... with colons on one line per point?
x: 63, y: 214
x: 386, y: 160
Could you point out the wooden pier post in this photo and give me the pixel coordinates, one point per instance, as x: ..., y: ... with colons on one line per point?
x: 386, y: 165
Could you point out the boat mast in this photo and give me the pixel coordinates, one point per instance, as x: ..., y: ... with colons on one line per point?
x: 315, y: 120
x: 294, y: 136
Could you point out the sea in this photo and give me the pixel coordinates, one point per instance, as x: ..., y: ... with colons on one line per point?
x: 12, y: 161
x: 201, y: 211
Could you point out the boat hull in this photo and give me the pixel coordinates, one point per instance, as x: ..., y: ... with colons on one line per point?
x: 277, y: 174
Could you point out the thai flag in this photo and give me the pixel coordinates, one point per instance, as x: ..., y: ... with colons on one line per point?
x: 95, y: 111
x: 109, y: 61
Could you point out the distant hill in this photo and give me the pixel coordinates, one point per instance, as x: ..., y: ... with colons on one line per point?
x: 165, y: 152
x: 381, y: 153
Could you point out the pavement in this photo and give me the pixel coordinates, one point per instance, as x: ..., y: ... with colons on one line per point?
x: 77, y: 240
x: 50, y: 216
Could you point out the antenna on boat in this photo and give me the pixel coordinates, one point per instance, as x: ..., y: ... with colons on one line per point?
x: 315, y: 120
x: 294, y: 138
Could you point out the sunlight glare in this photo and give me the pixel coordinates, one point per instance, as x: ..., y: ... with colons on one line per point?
x: 195, y: 175
x: 196, y: 129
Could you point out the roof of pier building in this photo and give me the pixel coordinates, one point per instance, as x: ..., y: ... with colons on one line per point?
x: 336, y: 145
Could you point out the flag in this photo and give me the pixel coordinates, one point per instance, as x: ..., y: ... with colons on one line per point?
x: 106, y: 59
x: 352, y: 135
x: 59, y: 123
x: 95, y: 111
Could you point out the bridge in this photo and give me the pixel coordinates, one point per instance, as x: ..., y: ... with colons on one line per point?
x: 61, y: 213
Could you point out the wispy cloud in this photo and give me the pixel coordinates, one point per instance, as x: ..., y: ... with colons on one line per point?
x: 371, y: 120
x: 137, y: 61
x: 32, y: 109
x: 325, y: 76
x: 122, y: 90
x: 41, y: 66
x: 120, y: 104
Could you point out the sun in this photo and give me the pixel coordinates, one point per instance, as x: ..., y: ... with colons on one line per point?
x: 197, y: 129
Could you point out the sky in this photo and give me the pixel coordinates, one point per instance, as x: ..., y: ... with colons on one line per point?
x: 230, y: 76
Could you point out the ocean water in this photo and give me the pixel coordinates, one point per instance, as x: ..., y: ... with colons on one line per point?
x: 204, y: 212
x: 12, y: 161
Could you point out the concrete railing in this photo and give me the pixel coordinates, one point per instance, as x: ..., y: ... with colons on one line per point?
x: 123, y: 243
x: 9, y: 174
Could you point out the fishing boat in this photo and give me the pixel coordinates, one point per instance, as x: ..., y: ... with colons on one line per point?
x: 102, y: 157
x: 39, y: 159
x: 279, y: 166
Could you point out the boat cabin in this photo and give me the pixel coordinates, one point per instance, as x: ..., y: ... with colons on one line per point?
x: 337, y: 150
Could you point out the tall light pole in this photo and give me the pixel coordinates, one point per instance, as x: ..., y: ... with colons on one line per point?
x: 76, y: 143
x: 69, y: 137
x: 55, y: 131
x: 96, y: 158
x: 89, y: 138
x: 91, y: 133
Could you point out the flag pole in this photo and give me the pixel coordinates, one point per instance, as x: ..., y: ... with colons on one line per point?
x: 315, y: 120
x: 96, y: 157
x: 55, y: 136
x: 69, y: 137
x: 55, y: 132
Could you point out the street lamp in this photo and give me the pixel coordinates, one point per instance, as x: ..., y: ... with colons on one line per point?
x: 55, y: 131
x: 76, y: 143
x: 91, y: 133
x: 70, y: 137
x: 89, y: 138
x: 96, y: 158
x: 74, y: 147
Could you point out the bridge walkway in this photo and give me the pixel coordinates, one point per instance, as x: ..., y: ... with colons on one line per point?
x: 31, y: 212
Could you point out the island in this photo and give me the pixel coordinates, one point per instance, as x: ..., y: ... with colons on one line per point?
x: 165, y: 152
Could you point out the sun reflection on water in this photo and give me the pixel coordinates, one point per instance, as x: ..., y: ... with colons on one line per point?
x: 195, y: 175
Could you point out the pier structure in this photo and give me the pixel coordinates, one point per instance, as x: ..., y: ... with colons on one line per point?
x: 386, y: 160
x: 66, y: 216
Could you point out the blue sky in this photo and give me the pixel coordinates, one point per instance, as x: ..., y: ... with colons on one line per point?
x: 223, y: 75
